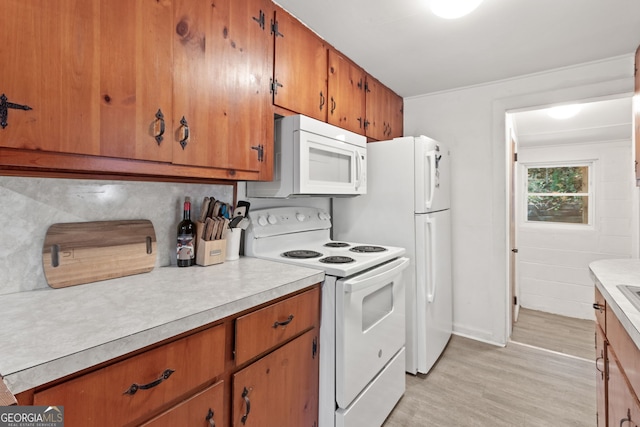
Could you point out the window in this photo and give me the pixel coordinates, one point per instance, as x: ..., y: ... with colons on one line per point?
x: 560, y: 194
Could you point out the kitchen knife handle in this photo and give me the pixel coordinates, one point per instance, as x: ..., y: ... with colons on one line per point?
x: 285, y: 323
x: 245, y: 396
x: 133, y: 389
x: 159, y: 119
x: 185, y: 134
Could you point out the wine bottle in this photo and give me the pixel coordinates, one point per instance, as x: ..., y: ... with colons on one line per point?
x: 186, y: 237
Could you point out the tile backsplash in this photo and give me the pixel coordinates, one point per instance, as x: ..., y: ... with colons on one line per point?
x: 30, y: 205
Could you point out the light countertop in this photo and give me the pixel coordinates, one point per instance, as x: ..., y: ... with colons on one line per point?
x: 48, y: 334
x: 611, y: 273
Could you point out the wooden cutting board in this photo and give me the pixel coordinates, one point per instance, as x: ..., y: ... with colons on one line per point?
x: 84, y: 252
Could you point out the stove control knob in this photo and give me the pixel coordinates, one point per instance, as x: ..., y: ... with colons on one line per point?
x: 324, y: 216
x: 272, y: 219
x: 262, y: 220
x: 300, y: 217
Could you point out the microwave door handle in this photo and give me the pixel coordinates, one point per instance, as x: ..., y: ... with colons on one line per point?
x: 358, y: 170
x: 431, y: 159
x: 365, y: 281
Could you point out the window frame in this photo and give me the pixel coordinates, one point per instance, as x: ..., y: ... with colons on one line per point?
x: 590, y: 194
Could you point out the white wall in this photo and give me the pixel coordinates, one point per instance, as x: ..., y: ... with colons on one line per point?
x: 472, y: 120
x: 553, y: 259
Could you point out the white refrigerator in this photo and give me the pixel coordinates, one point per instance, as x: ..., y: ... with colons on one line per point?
x: 408, y: 205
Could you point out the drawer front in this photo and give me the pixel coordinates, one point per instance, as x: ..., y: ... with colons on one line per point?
x: 600, y: 308
x: 625, y: 350
x: 204, y: 409
x: 264, y: 329
x: 108, y: 396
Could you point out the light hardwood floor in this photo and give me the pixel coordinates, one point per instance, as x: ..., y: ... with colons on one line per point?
x: 557, y: 333
x: 478, y: 384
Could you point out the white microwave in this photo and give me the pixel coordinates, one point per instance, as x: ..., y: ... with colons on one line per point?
x: 314, y: 158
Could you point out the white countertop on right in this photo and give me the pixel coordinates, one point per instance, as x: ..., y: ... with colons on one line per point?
x: 610, y: 273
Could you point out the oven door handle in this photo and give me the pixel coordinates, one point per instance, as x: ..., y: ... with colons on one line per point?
x: 372, y: 278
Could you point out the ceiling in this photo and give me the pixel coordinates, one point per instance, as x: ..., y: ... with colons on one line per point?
x: 413, y: 52
x: 606, y: 120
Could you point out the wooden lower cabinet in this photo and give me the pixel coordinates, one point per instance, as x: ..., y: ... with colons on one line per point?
x: 133, y: 389
x: 278, y: 389
x: 204, y: 409
x: 196, y: 380
x: 601, y: 377
x: 623, y: 409
x: 617, y: 373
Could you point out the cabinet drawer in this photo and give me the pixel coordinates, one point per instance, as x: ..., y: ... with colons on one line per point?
x: 204, y: 409
x: 106, y: 397
x: 263, y: 329
x: 600, y: 308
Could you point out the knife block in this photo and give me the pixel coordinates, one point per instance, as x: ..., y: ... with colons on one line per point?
x: 209, y: 252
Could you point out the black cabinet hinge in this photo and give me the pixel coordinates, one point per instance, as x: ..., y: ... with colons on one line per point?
x: 366, y: 87
x: 515, y: 300
x: 260, y: 150
x: 515, y: 157
x: 314, y: 348
x: 366, y: 124
x: 274, y: 86
x: 260, y: 19
x: 4, y: 109
x: 274, y: 29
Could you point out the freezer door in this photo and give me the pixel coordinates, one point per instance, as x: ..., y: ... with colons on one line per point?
x: 432, y: 163
x: 434, y: 315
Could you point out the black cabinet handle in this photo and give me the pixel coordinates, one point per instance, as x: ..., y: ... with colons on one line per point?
x: 209, y: 418
x: 185, y: 134
x: 333, y: 105
x: 159, y: 119
x: 245, y: 396
x: 285, y: 323
x: 598, y: 307
x: 133, y: 389
x: 628, y: 419
x: 321, y: 100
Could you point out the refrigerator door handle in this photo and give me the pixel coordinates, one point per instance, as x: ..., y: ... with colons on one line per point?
x: 431, y: 161
x: 431, y: 280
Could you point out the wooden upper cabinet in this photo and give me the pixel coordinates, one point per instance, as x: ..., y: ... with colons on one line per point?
x: 94, y: 73
x: 384, y: 111
x: 222, y: 105
x: 50, y: 54
x: 346, y: 93
x: 136, y: 79
x: 300, y: 68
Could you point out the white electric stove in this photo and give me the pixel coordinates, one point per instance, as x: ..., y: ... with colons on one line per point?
x: 362, y: 332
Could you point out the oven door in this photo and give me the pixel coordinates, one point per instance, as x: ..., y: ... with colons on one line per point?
x: 329, y: 166
x: 370, y: 326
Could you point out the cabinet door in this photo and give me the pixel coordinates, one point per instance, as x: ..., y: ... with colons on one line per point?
x: 50, y: 54
x: 135, y: 79
x: 222, y: 105
x: 281, y: 389
x: 346, y: 93
x: 601, y: 377
x: 95, y: 74
x: 623, y: 407
x: 384, y: 111
x: 300, y: 73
